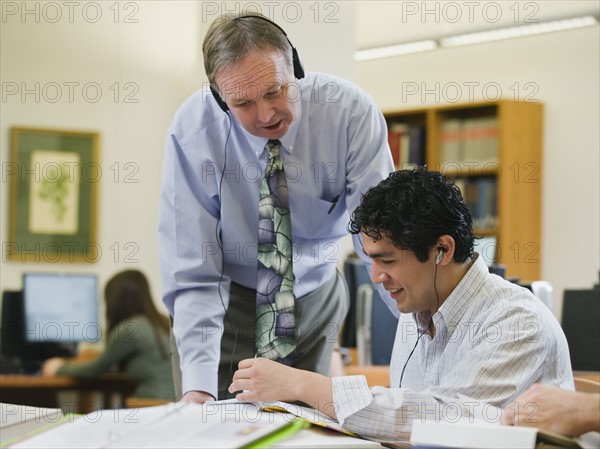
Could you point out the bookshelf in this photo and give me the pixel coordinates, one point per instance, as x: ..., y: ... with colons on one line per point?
x: 493, y: 150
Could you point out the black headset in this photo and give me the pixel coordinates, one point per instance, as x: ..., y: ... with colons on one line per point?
x: 298, y: 69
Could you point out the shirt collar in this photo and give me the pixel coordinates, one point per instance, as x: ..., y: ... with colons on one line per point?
x: 289, y: 139
x: 453, y: 309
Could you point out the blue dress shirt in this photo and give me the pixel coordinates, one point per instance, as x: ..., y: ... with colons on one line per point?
x: 335, y: 150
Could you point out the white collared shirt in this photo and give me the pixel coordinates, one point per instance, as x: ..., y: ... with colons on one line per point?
x: 493, y: 340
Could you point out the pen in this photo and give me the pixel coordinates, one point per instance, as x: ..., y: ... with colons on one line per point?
x: 333, y: 203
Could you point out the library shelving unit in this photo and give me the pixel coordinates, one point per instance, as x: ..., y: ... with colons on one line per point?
x: 493, y: 151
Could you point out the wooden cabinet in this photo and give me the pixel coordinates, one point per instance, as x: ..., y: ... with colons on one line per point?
x: 493, y: 150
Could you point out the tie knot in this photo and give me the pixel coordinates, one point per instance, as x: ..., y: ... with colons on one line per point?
x: 272, y: 147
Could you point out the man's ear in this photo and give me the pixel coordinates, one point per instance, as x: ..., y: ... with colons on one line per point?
x: 447, y: 246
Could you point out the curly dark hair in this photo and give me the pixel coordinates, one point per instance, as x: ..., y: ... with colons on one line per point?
x: 413, y: 208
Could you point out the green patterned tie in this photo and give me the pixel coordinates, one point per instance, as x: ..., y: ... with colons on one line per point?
x: 275, y: 319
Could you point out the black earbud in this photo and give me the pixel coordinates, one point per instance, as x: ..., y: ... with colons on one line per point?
x: 296, y: 62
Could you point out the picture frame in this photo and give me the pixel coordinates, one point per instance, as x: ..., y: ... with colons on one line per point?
x: 54, y: 181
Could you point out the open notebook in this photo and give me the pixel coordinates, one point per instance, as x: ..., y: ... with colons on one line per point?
x: 19, y: 420
x: 311, y: 415
x: 175, y: 425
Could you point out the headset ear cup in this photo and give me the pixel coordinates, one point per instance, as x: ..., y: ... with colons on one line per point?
x: 219, y: 100
x: 298, y: 69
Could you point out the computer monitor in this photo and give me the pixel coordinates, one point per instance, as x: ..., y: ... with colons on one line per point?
x: 60, y: 308
x: 487, y: 248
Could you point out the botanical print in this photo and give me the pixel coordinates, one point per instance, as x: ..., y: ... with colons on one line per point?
x: 54, y: 192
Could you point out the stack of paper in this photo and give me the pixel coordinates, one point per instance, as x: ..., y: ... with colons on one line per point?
x: 176, y: 425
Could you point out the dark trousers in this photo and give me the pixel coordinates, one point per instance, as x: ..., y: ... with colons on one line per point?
x: 319, y: 317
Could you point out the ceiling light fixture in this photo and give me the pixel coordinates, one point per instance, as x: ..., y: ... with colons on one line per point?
x: 475, y: 38
x: 518, y: 31
x: 395, y: 50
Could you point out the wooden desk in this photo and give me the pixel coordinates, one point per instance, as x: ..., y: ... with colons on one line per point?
x: 377, y: 375
x: 589, y: 375
x: 43, y: 391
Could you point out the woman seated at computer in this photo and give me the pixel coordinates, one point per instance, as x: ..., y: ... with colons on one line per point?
x: 137, y: 340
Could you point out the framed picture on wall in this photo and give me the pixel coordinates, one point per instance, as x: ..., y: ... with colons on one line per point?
x: 54, y: 178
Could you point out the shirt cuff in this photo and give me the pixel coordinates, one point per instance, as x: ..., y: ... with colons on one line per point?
x: 350, y: 394
x: 200, y: 378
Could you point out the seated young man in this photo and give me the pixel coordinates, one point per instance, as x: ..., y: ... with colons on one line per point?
x: 466, y: 339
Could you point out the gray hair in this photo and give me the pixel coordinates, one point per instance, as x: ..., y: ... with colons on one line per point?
x: 232, y: 37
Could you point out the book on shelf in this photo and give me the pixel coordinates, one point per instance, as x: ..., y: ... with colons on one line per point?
x: 481, y: 197
x: 469, y: 141
x: 407, y: 144
x: 451, y: 140
x: 489, y: 140
x: 394, y: 143
x: 399, y: 143
x: 416, y: 145
x: 476, y: 434
x: 485, y: 211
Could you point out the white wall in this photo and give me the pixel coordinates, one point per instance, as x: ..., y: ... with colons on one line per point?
x: 562, y: 70
x: 160, y: 53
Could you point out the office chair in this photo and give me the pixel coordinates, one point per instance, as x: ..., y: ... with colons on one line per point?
x: 364, y: 306
x: 580, y: 323
x: 11, y: 325
x: 382, y: 326
x: 370, y: 320
x: 348, y: 333
x: 12, y: 333
x: 374, y: 324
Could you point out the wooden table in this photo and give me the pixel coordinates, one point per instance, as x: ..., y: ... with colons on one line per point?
x: 589, y: 375
x: 41, y: 391
x: 377, y: 375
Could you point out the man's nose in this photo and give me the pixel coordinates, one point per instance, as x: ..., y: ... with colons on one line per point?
x: 378, y: 276
x: 265, y: 111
